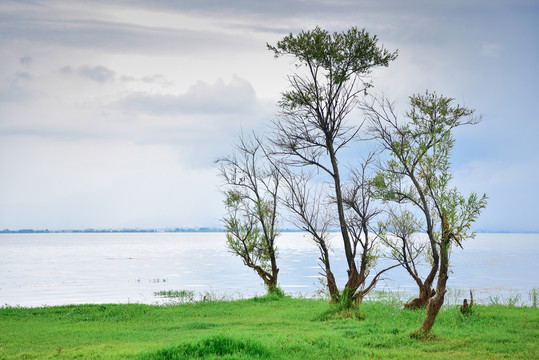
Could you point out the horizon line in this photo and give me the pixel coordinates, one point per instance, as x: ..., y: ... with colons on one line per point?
x: 207, y: 229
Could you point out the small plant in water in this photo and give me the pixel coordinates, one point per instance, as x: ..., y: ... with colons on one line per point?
x: 494, y: 300
x: 514, y: 299
x: 184, y: 296
x: 392, y: 298
x: 454, y: 296
x: 156, y: 281
x: 533, y: 296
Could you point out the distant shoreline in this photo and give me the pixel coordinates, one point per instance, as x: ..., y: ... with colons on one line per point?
x: 193, y: 230
x: 92, y: 231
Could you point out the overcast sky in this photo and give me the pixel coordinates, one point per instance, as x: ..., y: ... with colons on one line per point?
x: 111, y: 116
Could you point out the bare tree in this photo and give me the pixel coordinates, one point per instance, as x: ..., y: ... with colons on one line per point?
x: 399, y: 234
x: 304, y: 199
x: 251, y: 185
x: 361, y: 211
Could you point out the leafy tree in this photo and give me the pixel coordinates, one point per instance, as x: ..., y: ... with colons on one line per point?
x: 418, y: 172
x: 251, y: 184
x: 311, y: 127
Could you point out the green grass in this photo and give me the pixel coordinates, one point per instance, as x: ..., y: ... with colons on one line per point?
x: 264, y: 328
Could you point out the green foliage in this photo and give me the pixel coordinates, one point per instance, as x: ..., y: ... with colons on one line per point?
x: 317, y: 102
x: 418, y: 170
x: 340, y: 54
x: 276, y: 294
x: 244, y: 236
x: 346, y: 306
x: 339, y: 311
x: 250, y: 189
x: 213, y: 347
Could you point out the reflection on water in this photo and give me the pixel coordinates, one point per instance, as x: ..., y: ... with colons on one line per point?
x: 55, y: 269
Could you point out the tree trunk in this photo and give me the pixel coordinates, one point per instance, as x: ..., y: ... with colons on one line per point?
x: 270, y: 280
x: 435, y: 303
x: 274, y: 272
x: 425, y: 293
x: 354, y: 280
x: 353, y: 276
x: 332, y: 285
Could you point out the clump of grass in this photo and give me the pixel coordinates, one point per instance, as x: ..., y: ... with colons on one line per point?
x: 422, y: 335
x: 341, y: 312
x: 268, y: 298
x: 277, y: 291
x: 213, y: 347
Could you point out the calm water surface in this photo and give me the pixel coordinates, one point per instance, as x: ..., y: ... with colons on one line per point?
x: 58, y: 269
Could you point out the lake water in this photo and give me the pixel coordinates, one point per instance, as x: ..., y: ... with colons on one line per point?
x: 67, y: 268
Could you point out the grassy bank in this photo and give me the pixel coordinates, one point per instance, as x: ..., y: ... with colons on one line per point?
x: 267, y: 327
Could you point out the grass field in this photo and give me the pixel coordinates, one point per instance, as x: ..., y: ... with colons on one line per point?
x: 264, y: 328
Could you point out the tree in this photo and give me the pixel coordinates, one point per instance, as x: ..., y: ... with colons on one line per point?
x: 311, y: 128
x: 418, y: 172
x: 251, y: 187
x: 360, y: 209
x: 310, y: 214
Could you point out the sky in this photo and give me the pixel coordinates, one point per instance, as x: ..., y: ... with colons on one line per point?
x: 112, y: 113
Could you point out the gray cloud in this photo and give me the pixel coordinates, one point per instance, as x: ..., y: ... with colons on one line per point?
x: 14, y: 90
x: 395, y: 21
x: 25, y: 60
x: 13, y: 93
x: 282, y: 16
x: 202, y: 98
x: 96, y: 73
x: 150, y: 79
x: 23, y: 75
x: 116, y: 37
